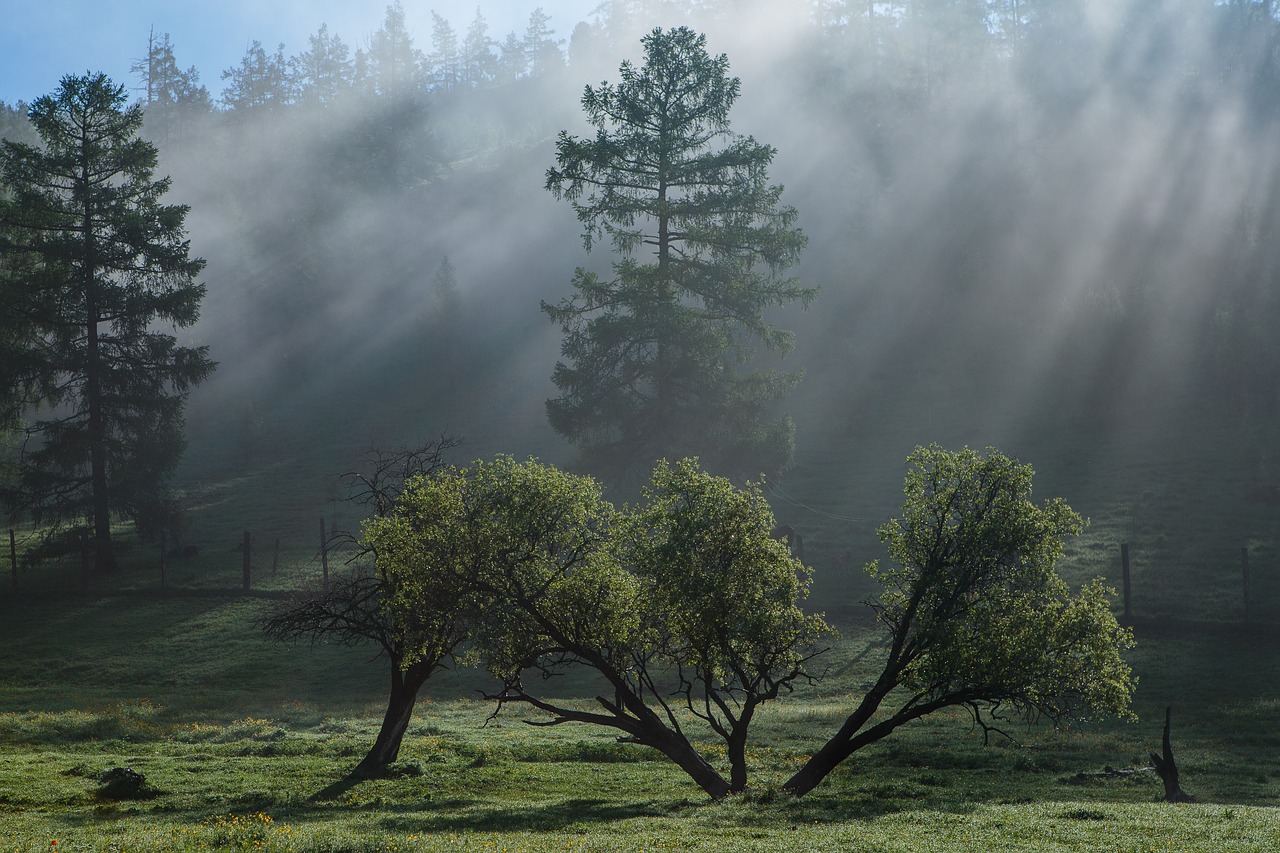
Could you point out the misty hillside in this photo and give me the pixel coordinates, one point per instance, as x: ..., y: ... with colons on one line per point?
x: 1044, y: 225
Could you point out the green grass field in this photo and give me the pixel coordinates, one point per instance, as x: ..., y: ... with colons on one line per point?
x: 244, y: 743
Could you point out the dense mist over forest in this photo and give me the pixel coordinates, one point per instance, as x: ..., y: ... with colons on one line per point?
x: 1049, y: 218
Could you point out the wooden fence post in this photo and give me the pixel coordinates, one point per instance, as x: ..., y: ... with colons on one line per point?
x: 84, y: 561
x: 164, y: 547
x: 246, y: 561
x: 324, y: 555
x: 13, y: 557
x: 1244, y: 569
x: 1124, y: 570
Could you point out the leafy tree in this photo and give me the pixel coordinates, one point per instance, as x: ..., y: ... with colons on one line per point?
x: 722, y: 599
x: 100, y: 263
x: 654, y: 355
x: 546, y: 558
x: 976, y: 615
x: 355, y: 608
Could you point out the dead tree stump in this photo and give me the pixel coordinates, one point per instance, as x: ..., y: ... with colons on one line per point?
x: 1168, y: 769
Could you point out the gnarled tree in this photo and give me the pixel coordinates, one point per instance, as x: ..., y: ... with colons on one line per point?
x: 976, y: 615
x: 685, y: 605
x: 355, y: 607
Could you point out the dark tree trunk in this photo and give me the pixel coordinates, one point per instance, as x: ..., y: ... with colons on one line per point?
x: 840, y: 746
x: 737, y: 752
x: 668, y: 298
x: 689, y: 760
x: 405, y: 685
x: 736, y: 746
x: 852, y: 737
x: 104, y: 559
x: 647, y: 728
x: 816, y: 768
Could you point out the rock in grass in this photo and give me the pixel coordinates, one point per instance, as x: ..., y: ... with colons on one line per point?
x: 122, y: 783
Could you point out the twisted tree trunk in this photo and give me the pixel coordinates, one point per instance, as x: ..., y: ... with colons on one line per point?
x: 405, y: 684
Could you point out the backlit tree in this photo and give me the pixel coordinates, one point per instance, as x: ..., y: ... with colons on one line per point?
x: 654, y: 355
x: 100, y: 265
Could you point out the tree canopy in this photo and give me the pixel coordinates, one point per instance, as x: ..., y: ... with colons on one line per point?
x: 355, y: 608
x: 687, y: 609
x: 975, y: 613
x: 672, y: 604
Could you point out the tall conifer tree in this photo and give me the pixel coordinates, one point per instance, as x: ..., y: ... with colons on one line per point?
x: 654, y: 356
x: 95, y: 264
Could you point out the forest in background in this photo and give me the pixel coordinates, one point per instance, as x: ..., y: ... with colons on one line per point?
x: 1044, y: 226
x: 1035, y: 223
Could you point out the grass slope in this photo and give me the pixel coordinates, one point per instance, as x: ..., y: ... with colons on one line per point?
x: 242, y: 741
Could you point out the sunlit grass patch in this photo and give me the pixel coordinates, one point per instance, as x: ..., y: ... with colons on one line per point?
x: 133, y: 721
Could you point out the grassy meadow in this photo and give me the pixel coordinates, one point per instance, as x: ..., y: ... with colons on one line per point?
x: 244, y: 744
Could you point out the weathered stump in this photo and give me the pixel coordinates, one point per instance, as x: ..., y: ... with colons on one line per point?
x: 1167, y: 768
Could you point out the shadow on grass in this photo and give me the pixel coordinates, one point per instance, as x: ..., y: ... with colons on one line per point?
x: 220, y: 593
x: 335, y: 790
x: 460, y: 815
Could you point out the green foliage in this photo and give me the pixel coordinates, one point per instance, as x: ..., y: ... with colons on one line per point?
x: 723, y: 593
x: 975, y: 613
x: 323, y: 72
x: 654, y: 356
x: 172, y: 97
x: 392, y: 60
x: 261, y: 82
x: 722, y: 597
x: 686, y: 596
x: 978, y: 602
x: 691, y: 583
x: 102, y: 262
x: 521, y: 545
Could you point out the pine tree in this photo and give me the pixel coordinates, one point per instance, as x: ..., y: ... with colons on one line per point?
x: 261, y: 82
x: 444, y: 292
x: 541, y: 50
x: 323, y: 72
x: 170, y: 95
x: 477, y: 54
x: 99, y: 264
x: 393, y: 60
x: 653, y: 356
x: 443, y: 59
x: 513, y: 60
